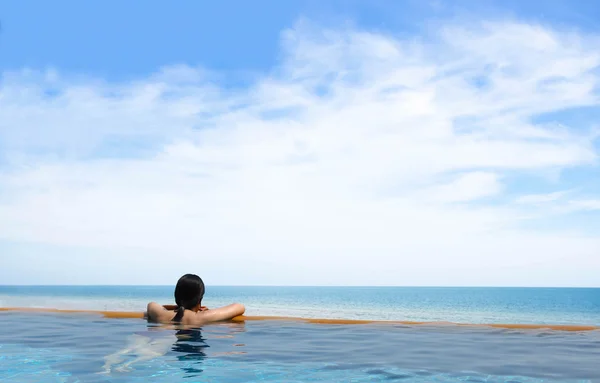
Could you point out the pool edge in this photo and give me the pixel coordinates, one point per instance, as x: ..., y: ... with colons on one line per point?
x: 141, y: 315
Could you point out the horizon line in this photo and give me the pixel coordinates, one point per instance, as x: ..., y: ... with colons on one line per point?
x: 307, y: 286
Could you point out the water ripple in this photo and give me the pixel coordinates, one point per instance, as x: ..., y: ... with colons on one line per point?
x: 64, y: 348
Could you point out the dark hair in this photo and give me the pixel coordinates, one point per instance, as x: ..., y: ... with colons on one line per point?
x: 188, y: 294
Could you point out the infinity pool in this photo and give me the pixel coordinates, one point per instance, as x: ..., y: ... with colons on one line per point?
x: 88, y: 348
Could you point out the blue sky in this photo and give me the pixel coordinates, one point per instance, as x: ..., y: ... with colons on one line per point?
x: 117, y: 40
x: 300, y: 142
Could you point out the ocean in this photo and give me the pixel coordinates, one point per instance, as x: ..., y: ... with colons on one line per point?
x: 432, y: 304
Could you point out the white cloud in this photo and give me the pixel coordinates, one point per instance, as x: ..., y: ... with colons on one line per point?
x: 466, y: 187
x: 589, y: 204
x: 541, y: 198
x: 556, y: 204
x: 342, y: 166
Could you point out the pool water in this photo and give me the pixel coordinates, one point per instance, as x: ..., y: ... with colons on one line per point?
x: 89, y: 348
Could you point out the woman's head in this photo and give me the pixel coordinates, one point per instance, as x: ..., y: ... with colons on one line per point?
x: 189, y: 292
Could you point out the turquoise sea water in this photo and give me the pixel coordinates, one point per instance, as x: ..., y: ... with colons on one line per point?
x: 465, y: 305
x: 73, y: 348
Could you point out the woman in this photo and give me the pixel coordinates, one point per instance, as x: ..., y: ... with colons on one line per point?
x: 189, y: 311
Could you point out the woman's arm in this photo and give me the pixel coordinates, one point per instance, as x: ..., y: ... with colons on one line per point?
x: 174, y: 307
x: 221, y: 314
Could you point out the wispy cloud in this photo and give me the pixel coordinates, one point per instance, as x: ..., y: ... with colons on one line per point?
x: 588, y: 204
x: 537, y: 199
x: 466, y: 187
x: 360, y: 153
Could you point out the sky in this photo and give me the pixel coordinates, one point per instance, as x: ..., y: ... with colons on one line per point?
x: 406, y: 143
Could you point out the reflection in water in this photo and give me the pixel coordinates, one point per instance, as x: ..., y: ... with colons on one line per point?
x: 192, y: 345
x: 139, y: 348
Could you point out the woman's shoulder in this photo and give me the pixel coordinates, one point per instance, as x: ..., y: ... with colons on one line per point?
x: 158, y: 313
x: 154, y: 307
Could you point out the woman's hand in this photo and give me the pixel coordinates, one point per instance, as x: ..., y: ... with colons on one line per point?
x: 203, y: 308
